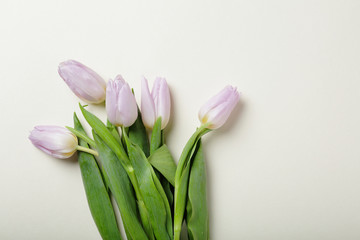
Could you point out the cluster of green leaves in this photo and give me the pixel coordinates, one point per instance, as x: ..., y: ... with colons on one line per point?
x: 153, y: 195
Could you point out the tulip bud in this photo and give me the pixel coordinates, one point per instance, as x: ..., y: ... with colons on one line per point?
x: 54, y: 140
x: 155, y: 105
x: 83, y: 81
x: 217, y: 109
x: 121, y: 105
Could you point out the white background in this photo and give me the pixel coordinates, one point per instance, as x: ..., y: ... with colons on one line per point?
x: 285, y: 166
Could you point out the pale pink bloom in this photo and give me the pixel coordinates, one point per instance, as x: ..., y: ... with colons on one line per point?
x: 155, y: 104
x: 54, y: 140
x: 218, y: 108
x: 121, y: 105
x: 83, y: 81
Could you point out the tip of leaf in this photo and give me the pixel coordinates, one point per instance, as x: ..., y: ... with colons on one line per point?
x: 83, y: 106
x: 75, y: 116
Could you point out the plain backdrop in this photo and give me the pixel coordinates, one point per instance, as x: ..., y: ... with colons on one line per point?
x: 285, y: 166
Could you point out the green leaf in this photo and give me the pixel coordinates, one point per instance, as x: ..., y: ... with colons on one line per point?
x: 113, y: 130
x: 122, y: 190
x: 103, y: 132
x: 197, y: 217
x: 180, y: 192
x: 182, y: 178
x: 162, y: 160
x: 169, y: 190
x: 156, y: 136
x: 153, y: 194
x: 82, y: 135
x: 165, y: 201
x: 96, y: 193
x: 138, y: 135
x: 145, y: 218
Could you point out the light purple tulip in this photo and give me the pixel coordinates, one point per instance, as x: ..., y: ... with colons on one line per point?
x: 54, y: 140
x: 121, y: 105
x: 83, y: 81
x: 218, y: 108
x: 155, y: 105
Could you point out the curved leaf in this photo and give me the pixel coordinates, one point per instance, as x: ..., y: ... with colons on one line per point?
x: 162, y: 160
x: 122, y: 190
x: 96, y: 193
x: 197, y: 217
x: 152, y: 192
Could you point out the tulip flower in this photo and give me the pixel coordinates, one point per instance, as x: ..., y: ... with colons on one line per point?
x: 155, y: 105
x: 56, y: 141
x: 217, y: 109
x: 121, y: 105
x: 83, y: 81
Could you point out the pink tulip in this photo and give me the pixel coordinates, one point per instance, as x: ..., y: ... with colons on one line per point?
x: 155, y: 105
x: 121, y: 105
x: 218, y: 108
x: 83, y: 81
x: 54, y: 140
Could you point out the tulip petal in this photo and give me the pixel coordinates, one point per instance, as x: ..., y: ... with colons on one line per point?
x: 217, y: 110
x: 163, y: 103
x: 83, y: 81
x: 111, y: 101
x: 121, y: 105
x: 156, y: 89
x: 120, y: 80
x: 112, y: 95
x: 214, y: 101
x: 147, y: 105
x: 127, y: 107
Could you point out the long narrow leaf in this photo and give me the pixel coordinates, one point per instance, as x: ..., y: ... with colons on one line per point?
x: 154, y: 196
x: 121, y: 188
x: 182, y: 177
x: 156, y: 136
x: 169, y: 191
x: 96, y: 193
x: 103, y: 132
x: 197, y: 217
x: 138, y: 135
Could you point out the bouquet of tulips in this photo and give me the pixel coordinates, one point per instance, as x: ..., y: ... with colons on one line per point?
x: 127, y: 157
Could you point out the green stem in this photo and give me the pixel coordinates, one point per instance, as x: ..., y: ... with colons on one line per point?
x: 184, y: 158
x: 88, y: 150
x: 82, y: 136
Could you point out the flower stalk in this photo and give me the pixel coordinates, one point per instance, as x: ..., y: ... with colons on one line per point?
x: 88, y: 150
